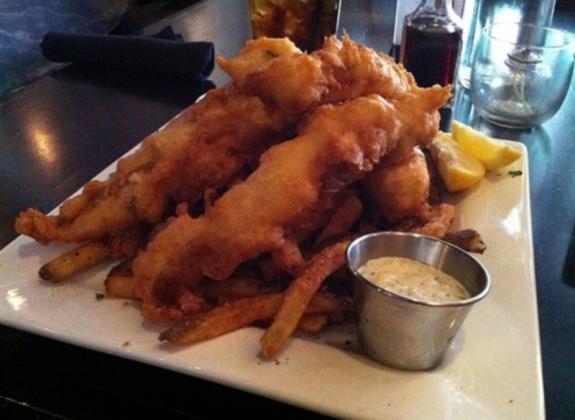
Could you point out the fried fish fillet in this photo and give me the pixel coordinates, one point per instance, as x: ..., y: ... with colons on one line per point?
x: 353, y: 70
x: 347, y: 70
x: 203, y: 148
x: 338, y: 146
x: 274, y: 86
x: 401, y: 189
x: 401, y: 192
x: 166, y: 271
x: 294, y: 83
x: 340, y: 70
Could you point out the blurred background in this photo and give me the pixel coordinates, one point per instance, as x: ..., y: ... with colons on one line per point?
x: 23, y: 23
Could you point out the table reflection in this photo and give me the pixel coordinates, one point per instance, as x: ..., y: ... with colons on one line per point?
x: 24, y: 23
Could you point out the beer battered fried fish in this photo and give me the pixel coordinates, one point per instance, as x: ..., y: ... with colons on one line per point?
x: 274, y: 86
x: 338, y: 146
x: 202, y: 148
x: 340, y: 70
x: 401, y: 191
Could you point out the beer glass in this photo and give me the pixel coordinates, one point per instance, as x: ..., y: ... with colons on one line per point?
x: 305, y: 22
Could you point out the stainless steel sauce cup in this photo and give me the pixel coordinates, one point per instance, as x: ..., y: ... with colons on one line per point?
x: 403, y: 332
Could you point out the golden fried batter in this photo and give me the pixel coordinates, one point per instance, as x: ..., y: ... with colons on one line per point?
x: 274, y: 86
x: 341, y: 70
x: 203, y: 148
x: 339, y: 143
x: 400, y: 190
x: 352, y: 106
x: 352, y: 70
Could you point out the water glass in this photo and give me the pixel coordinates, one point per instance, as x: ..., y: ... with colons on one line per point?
x: 480, y: 13
x: 521, y: 73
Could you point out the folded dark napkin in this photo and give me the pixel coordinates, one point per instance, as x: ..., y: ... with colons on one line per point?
x: 191, y: 60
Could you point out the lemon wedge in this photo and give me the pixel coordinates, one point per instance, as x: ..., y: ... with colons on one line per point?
x: 492, y: 153
x: 458, y: 168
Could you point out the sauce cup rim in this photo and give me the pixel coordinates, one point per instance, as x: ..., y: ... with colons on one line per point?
x: 465, y: 302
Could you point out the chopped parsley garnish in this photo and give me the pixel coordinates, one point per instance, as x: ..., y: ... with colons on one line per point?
x: 515, y: 173
x: 100, y: 296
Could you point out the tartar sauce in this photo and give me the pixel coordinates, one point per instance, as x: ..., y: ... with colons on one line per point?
x: 413, y: 279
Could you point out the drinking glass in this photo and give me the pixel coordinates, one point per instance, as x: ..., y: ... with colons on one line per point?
x: 521, y: 73
x: 305, y: 22
x: 479, y: 13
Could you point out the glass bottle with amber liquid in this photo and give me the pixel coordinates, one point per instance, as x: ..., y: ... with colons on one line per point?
x: 431, y: 42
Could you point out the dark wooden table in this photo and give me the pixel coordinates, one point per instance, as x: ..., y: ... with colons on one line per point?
x: 61, y: 130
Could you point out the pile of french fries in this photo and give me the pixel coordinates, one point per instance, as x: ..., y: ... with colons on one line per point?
x: 260, y: 294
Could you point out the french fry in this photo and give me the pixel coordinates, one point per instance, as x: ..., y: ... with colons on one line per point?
x: 66, y: 265
x: 468, y: 239
x: 126, y: 244
x: 223, y: 319
x: 238, y: 313
x: 322, y: 303
x: 289, y: 258
x: 298, y: 296
x: 119, y: 282
x: 234, y: 286
x: 312, y: 323
x: 121, y: 287
x: 122, y: 269
x: 344, y: 217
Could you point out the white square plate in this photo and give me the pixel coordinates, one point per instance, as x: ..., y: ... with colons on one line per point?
x: 492, y: 370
